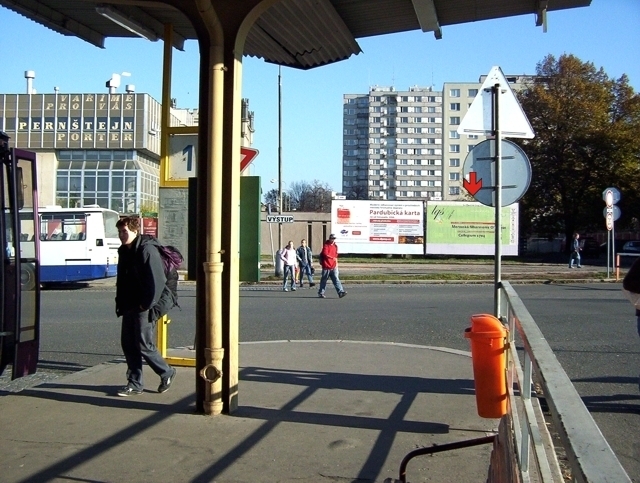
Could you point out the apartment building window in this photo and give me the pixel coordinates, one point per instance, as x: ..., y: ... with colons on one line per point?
x: 404, y: 98
x: 454, y: 135
x: 454, y: 190
x: 417, y: 130
x: 418, y: 98
x: 470, y: 147
x: 404, y: 109
x: 454, y: 162
x: 404, y: 193
x: 375, y: 120
x: 472, y: 136
x: 351, y: 142
x: 454, y: 148
x: 472, y: 92
x: 417, y: 119
x: 430, y: 130
x: 417, y: 172
x: 454, y: 106
x: 432, y: 109
x: 404, y: 119
x: 376, y: 98
x: 454, y: 120
x: 417, y: 109
x: 403, y: 182
x: 376, y: 109
x: 454, y: 92
x: 431, y: 172
x: 402, y: 161
x: 403, y: 172
x: 350, y: 111
x: 454, y: 176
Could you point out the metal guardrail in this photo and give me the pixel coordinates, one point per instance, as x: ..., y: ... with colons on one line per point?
x: 589, y: 454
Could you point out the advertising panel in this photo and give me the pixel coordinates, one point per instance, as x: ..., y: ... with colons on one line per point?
x: 468, y: 228
x: 365, y: 226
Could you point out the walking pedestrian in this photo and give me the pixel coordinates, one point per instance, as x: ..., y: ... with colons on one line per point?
x: 305, y: 259
x: 288, y: 257
x: 329, y: 263
x: 575, y: 251
x: 140, y: 288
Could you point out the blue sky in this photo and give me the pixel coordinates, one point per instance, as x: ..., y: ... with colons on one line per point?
x: 607, y: 33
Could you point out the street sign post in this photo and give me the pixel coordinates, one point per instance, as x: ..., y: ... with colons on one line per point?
x: 611, y: 213
x: 496, y: 112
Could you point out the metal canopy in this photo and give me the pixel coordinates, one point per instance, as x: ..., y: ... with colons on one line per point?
x: 295, y: 33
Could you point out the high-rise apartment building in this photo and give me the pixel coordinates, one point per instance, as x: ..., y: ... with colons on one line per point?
x: 400, y: 145
x: 392, y: 144
x: 457, y: 98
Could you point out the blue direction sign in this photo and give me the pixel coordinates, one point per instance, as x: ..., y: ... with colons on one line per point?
x: 479, y: 172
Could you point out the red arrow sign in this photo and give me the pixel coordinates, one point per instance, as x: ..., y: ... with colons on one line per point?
x: 246, y: 156
x: 472, y: 186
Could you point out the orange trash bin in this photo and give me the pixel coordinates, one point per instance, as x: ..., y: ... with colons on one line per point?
x: 487, y: 336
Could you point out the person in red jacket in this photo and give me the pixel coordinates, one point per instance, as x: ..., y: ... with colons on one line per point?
x: 329, y: 264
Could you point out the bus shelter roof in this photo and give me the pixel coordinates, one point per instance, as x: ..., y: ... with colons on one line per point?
x: 294, y: 33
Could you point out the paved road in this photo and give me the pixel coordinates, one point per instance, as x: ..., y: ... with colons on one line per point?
x: 590, y: 327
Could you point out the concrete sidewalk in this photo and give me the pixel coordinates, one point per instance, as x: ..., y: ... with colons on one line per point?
x: 310, y: 411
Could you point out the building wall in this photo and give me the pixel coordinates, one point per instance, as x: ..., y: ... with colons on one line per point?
x: 86, y: 128
x: 313, y: 227
x: 392, y: 144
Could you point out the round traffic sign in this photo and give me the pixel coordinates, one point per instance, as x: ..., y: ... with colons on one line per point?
x: 479, y: 172
x: 611, y: 196
x: 613, y: 210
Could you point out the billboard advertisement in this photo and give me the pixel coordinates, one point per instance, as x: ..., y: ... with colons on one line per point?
x: 468, y: 228
x: 366, y: 226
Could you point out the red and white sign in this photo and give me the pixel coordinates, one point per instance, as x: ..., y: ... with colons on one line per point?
x: 246, y: 156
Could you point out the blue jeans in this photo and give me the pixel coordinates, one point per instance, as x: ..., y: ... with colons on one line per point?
x: 306, y: 269
x: 289, y: 271
x: 574, y: 256
x: 137, y: 338
x: 333, y: 275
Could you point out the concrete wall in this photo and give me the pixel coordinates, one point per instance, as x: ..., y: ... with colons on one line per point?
x: 314, y: 227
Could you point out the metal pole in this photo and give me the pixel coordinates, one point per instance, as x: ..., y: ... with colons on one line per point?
x: 495, y: 90
x: 279, y: 155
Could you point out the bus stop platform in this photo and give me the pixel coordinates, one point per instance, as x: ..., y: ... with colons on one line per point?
x: 309, y: 411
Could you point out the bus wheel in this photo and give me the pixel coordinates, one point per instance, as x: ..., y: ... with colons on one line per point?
x: 27, y: 277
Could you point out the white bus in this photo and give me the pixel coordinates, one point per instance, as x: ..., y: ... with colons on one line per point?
x: 76, y: 244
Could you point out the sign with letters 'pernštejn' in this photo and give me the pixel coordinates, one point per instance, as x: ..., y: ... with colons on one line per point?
x: 86, y: 121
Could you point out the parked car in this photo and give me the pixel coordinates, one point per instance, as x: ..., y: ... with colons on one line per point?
x: 632, y: 246
x: 590, y: 247
x: 618, y: 246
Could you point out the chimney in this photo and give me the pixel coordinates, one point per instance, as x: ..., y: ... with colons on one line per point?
x: 30, y: 75
x: 130, y: 88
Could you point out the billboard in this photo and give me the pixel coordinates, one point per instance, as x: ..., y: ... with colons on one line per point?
x: 365, y: 226
x: 468, y: 228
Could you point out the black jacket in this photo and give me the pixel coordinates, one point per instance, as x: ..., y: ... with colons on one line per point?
x: 141, y: 282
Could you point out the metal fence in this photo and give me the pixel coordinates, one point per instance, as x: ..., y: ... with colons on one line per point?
x: 589, y: 455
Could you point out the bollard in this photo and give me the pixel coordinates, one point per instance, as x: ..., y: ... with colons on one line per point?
x: 487, y: 336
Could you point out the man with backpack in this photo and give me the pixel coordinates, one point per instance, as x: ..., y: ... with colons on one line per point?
x: 142, y: 296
